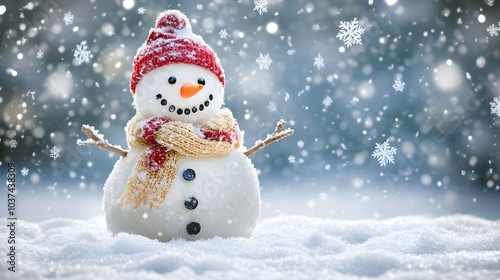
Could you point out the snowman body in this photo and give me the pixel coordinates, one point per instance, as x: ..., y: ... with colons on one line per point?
x: 220, y: 196
x: 209, y: 196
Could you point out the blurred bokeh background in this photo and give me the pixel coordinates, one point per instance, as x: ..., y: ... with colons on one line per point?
x: 441, y: 123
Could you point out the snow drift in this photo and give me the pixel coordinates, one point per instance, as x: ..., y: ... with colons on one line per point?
x: 288, y: 247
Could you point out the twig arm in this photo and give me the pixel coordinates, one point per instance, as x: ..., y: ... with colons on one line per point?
x: 98, y: 140
x: 277, y: 135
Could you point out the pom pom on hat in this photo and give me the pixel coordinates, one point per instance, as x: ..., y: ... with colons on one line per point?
x: 172, y: 41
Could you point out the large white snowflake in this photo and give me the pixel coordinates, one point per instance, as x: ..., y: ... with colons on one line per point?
x: 13, y: 143
x: 25, y: 171
x: 327, y: 101
x: 223, y: 34
x: 384, y: 153
x: 493, y: 30
x: 495, y: 106
x: 55, y: 152
x: 399, y: 85
x: 81, y: 53
x: 271, y: 106
x: 260, y: 6
x: 319, y: 61
x: 68, y: 18
x: 350, y: 32
x: 264, y: 61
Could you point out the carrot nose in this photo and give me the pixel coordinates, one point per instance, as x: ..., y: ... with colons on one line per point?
x: 189, y: 90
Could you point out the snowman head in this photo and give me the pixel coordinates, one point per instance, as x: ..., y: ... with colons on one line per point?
x: 181, y: 92
x: 176, y: 74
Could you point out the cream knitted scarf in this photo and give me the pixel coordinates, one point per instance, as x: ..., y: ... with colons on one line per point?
x: 164, y: 143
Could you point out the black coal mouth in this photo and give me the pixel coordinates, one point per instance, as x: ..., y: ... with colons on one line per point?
x: 186, y: 111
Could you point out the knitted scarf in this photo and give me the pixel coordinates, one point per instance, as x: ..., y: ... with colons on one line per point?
x: 164, y: 143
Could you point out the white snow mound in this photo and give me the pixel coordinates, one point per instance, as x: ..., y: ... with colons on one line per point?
x: 289, y: 247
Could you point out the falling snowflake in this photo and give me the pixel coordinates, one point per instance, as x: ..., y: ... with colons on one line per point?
x: 81, y: 53
x: 291, y: 159
x: 323, y: 196
x: 327, y: 101
x: 350, y: 32
x: 260, y: 6
x: 141, y: 10
x: 13, y: 143
x: 384, y: 153
x: 327, y: 167
x: 223, y: 34
x: 311, y: 204
x: 32, y: 93
x: 287, y: 96
x: 18, y: 127
x: 199, y: 7
x: 271, y: 106
x: 39, y: 54
x: 290, y: 52
x: 495, y: 106
x: 264, y: 61
x: 319, y: 62
x: 242, y: 53
x: 493, y: 30
x: 68, y: 18
x: 491, y: 2
x: 399, y: 85
x: 25, y: 171
x: 55, y: 152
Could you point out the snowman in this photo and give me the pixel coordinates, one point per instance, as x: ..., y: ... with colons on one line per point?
x: 186, y: 173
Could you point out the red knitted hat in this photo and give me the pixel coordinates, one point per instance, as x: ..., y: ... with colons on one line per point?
x: 172, y: 41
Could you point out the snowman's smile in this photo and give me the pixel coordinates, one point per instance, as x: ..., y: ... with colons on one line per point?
x: 172, y: 108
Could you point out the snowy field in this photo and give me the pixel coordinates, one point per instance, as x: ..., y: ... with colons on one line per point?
x: 344, y: 235
x: 288, y: 247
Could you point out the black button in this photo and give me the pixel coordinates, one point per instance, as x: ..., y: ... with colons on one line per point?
x: 193, y: 228
x: 194, y: 110
x: 179, y: 111
x: 189, y: 174
x: 207, y: 103
x: 164, y: 102
x: 191, y: 203
x: 202, y: 107
x: 158, y: 96
x: 211, y: 97
x: 171, y: 108
x: 187, y: 111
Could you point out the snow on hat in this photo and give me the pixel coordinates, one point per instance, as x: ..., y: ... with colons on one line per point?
x: 172, y: 41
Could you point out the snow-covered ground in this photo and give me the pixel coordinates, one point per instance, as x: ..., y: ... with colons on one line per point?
x: 333, y: 235
x: 287, y: 247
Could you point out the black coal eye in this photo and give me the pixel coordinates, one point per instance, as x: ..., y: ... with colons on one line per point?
x: 172, y: 80
x: 201, y: 81
x: 158, y: 96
